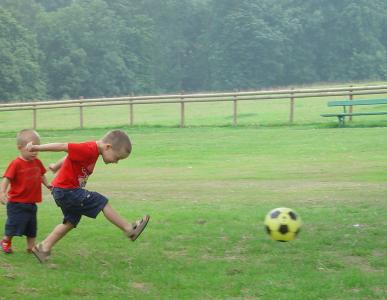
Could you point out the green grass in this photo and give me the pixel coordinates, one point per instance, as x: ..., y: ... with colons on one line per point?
x: 208, y: 190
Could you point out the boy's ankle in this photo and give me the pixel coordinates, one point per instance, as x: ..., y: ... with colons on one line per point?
x: 128, y: 230
x: 44, y: 247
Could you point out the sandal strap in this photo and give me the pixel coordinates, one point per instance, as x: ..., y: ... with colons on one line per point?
x: 138, y: 227
x: 137, y: 223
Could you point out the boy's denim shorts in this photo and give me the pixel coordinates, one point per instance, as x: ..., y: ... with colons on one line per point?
x: 76, y: 203
x: 21, y: 219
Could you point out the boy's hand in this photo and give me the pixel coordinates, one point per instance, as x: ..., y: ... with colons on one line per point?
x: 3, y: 198
x: 53, y: 168
x: 29, y: 147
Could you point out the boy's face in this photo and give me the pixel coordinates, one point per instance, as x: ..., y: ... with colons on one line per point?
x: 27, y: 155
x: 111, y: 156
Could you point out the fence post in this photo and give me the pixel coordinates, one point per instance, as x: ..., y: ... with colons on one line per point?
x: 350, y: 99
x: 81, y: 112
x: 234, y: 122
x: 291, y: 114
x: 131, y: 111
x: 34, y: 117
x: 182, y: 108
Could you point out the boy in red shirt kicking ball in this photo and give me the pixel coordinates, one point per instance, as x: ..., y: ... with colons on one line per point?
x: 68, y: 186
x: 24, y: 176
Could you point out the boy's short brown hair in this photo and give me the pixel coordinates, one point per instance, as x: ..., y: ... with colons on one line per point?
x: 25, y: 136
x: 119, y: 141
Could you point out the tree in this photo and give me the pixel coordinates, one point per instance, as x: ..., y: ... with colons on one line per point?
x: 89, y: 52
x: 95, y: 48
x: 247, y: 44
x: 179, y: 55
x: 343, y: 40
x: 20, y: 74
x: 50, y: 5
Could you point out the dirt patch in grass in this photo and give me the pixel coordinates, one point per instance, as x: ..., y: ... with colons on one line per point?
x: 360, y: 262
x: 379, y: 253
x: 80, y: 292
x: 6, y: 266
x: 175, y: 253
x: 8, y: 271
x: 27, y: 290
x: 142, y: 286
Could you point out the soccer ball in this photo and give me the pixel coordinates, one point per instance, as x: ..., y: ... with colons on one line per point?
x: 282, y: 224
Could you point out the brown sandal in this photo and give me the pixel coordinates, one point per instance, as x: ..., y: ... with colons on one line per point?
x: 41, y: 255
x: 138, y: 228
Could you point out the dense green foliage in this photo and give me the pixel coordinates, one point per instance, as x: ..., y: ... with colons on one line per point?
x: 72, y: 48
x: 20, y: 74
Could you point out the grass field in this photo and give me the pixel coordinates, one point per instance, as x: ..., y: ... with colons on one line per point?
x: 208, y: 190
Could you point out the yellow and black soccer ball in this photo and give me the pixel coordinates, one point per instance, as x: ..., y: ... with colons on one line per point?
x: 283, y: 224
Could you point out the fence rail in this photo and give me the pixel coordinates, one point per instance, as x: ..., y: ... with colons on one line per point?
x: 182, y: 99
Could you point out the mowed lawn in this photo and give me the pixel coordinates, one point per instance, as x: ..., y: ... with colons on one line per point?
x: 207, y: 190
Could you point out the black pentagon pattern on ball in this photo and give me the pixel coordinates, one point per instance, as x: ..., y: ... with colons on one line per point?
x: 292, y: 215
x: 268, y: 229
x: 275, y: 214
x: 283, y: 229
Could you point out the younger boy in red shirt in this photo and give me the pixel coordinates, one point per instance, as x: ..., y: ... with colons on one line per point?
x: 25, y: 176
x: 69, y: 192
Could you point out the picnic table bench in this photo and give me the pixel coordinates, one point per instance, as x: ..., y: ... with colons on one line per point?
x: 347, y: 103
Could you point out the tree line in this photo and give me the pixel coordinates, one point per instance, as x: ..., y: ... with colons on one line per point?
x: 55, y: 49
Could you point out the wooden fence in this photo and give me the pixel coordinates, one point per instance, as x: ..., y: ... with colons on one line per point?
x: 183, y: 99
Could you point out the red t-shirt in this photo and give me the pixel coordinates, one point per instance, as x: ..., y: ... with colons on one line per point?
x: 26, y: 180
x: 78, y: 165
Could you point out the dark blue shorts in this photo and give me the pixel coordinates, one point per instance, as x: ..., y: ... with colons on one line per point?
x: 21, y: 219
x: 76, y: 203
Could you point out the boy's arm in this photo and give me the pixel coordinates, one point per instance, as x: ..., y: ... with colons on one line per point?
x: 45, y: 182
x: 53, y: 147
x: 56, y: 166
x: 3, y: 190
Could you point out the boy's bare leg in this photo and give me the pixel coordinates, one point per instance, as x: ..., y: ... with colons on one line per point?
x: 30, y: 243
x: 132, y: 231
x: 116, y: 219
x: 58, y: 233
